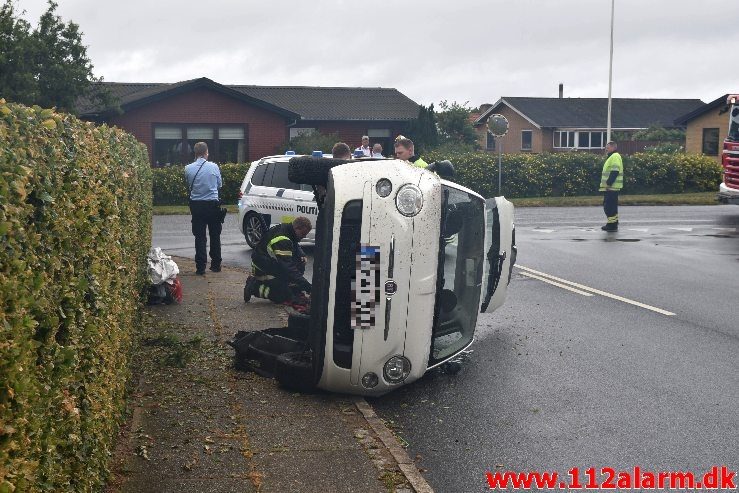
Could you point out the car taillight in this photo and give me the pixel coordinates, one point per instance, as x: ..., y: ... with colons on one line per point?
x: 241, y: 194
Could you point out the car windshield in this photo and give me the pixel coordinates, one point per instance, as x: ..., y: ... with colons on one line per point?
x: 734, y: 124
x: 460, y: 273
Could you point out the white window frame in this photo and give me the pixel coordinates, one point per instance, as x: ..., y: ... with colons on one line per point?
x: 575, y: 144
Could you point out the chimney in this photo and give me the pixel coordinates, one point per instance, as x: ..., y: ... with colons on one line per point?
x: 561, y: 90
x: 484, y: 107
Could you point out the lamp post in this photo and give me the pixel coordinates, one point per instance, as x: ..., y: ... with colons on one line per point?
x: 610, y: 76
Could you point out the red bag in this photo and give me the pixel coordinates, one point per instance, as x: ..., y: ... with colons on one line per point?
x: 175, y: 290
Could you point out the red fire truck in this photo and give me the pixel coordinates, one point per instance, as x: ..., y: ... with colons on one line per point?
x: 728, y: 192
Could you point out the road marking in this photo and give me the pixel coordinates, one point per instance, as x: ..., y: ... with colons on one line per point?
x: 540, y: 230
x: 725, y: 229
x: 597, y: 291
x: 643, y: 230
x: 558, y: 284
x: 683, y: 229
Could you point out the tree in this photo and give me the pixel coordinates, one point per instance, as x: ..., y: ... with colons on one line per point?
x: 307, y: 142
x: 48, y: 65
x: 455, y: 126
x: 423, y: 130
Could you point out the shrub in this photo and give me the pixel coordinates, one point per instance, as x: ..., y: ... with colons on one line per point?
x: 578, y: 173
x: 309, y: 141
x: 170, y: 187
x: 75, y: 221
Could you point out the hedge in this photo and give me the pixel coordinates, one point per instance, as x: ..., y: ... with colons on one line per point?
x: 75, y: 227
x: 523, y: 175
x: 578, y: 173
x: 170, y: 187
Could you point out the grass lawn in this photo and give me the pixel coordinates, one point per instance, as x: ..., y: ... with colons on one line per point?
x: 701, y: 198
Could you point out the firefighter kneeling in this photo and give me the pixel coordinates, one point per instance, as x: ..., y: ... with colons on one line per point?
x: 278, y: 266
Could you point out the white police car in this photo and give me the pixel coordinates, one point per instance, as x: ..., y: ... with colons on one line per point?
x: 267, y: 197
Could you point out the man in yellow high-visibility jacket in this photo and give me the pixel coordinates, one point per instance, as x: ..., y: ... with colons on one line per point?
x: 405, y: 150
x: 278, y: 265
x: 611, y: 182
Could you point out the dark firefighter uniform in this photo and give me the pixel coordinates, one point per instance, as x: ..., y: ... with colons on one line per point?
x: 277, y: 267
x: 611, y: 182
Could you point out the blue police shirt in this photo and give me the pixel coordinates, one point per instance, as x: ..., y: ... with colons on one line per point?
x: 207, y: 181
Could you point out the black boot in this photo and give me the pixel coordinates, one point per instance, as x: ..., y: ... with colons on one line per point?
x: 610, y: 227
x: 249, y: 288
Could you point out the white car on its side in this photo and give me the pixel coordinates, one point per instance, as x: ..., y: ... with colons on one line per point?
x: 267, y: 197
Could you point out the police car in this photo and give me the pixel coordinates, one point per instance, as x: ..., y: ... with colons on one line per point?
x: 267, y: 197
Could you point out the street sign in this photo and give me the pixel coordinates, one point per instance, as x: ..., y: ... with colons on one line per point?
x: 498, y: 125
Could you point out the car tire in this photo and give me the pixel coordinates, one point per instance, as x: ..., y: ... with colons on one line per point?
x: 311, y: 171
x: 294, y: 371
x: 254, y: 228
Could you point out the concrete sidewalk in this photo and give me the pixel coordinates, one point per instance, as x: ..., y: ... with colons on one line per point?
x: 196, y: 424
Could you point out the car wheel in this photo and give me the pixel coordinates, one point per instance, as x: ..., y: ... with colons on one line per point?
x: 254, y: 228
x: 311, y: 171
x: 294, y: 371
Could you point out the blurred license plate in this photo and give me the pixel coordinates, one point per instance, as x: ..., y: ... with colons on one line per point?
x: 366, y: 287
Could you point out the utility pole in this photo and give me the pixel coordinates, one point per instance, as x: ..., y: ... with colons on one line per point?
x: 610, y: 75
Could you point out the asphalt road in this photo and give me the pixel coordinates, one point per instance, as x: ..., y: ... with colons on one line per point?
x: 559, y: 379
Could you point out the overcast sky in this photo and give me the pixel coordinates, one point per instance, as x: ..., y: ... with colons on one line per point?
x: 455, y: 50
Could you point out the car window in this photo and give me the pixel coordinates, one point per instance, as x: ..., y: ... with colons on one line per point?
x: 279, y: 178
x: 258, y: 177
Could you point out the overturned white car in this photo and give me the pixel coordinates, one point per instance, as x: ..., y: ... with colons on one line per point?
x: 404, y: 262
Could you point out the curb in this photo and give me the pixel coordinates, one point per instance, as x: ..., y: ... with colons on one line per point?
x: 405, y: 464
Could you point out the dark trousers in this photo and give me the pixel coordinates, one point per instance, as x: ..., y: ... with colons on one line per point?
x: 206, y: 214
x: 610, y: 205
x: 275, y: 290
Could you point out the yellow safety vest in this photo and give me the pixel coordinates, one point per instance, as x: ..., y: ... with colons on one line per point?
x: 613, y: 163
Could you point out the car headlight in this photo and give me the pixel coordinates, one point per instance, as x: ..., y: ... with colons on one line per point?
x: 383, y: 187
x: 397, y: 369
x: 409, y: 200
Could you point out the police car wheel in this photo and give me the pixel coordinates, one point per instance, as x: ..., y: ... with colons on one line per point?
x: 254, y: 228
x: 311, y: 171
x: 294, y: 371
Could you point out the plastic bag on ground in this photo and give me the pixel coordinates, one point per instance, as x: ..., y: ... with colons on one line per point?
x: 161, y: 267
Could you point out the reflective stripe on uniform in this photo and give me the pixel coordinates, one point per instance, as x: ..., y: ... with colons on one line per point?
x: 270, y: 247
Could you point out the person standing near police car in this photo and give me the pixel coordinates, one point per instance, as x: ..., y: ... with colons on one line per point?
x: 204, y: 180
x: 611, y: 183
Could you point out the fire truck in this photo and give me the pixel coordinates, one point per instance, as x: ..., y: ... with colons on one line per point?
x: 729, y: 189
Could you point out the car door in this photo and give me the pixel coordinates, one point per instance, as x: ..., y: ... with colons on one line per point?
x: 500, y: 253
x: 292, y: 200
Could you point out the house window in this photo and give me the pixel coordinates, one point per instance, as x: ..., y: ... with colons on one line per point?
x: 298, y: 131
x: 710, y: 141
x: 173, y: 144
x: 581, y: 139
x: 490, y: 142
x: 526, y: 136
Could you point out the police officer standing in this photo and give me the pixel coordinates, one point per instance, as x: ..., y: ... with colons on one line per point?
x: 204, y: 180
x: 611, y: 182
x: 278, y: 266
x: 405, y: 150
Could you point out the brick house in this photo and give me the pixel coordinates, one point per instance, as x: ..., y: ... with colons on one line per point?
x: 565, y: 124
x: 706, y: 128
x: 242, y: 123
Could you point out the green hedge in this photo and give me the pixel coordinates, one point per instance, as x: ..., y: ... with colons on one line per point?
x: 170, y: 187
x: 75, y: 227
x: 524, y: 175
x: 578, y: 173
